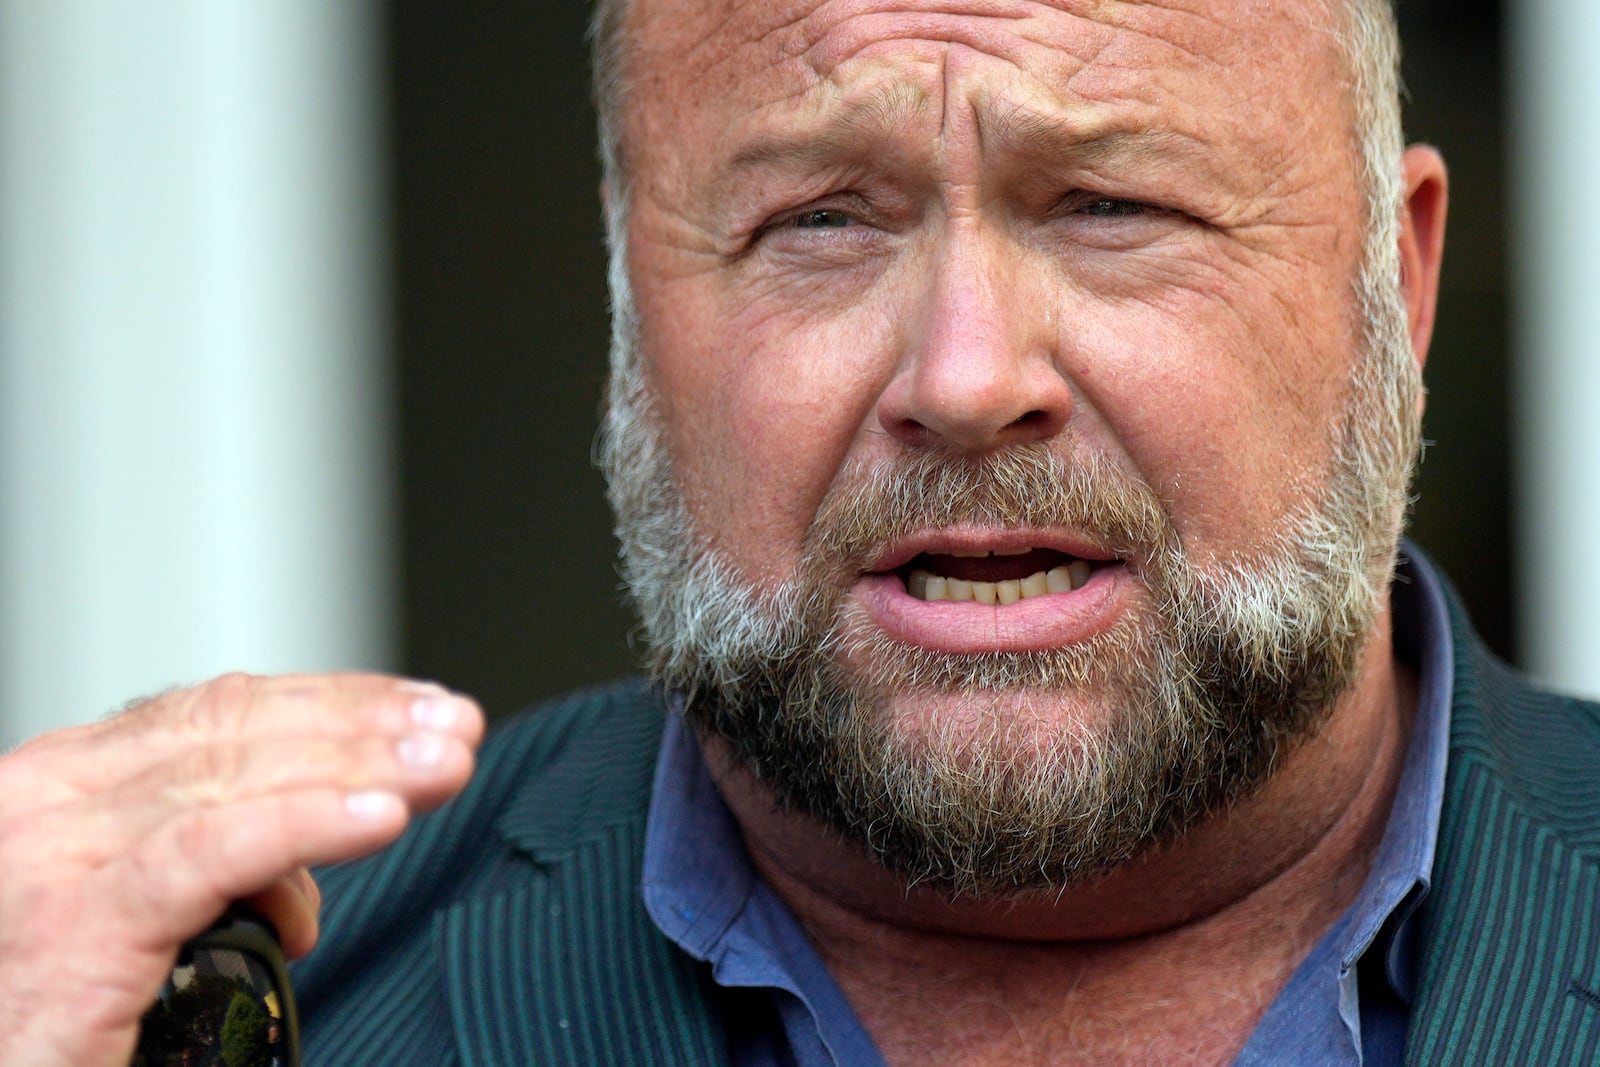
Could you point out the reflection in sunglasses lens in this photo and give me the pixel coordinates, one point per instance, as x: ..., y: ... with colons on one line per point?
x: 221, y: 1006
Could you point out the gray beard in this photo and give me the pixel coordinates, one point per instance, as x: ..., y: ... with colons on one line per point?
x: 1205, y: 693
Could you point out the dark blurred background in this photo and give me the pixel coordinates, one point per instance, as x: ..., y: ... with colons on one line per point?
x: 509, y: 589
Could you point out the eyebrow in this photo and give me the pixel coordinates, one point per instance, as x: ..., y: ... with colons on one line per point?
x: 865, y: 124
x: 1026, y: 133
x: 858, y: 125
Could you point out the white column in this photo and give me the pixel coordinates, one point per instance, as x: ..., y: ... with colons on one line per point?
x: 1555, y: 229
x: 193, y: 397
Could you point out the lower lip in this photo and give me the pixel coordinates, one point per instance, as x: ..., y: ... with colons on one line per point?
x: 1051, y: 621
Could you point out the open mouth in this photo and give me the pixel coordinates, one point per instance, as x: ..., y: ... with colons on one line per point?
x: 997, y: 577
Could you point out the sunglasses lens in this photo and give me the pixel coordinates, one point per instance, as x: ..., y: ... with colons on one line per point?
x: 222, y: 1005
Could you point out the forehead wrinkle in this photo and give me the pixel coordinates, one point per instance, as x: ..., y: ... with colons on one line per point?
x: 1019, y: 130
x: 860, y: 123
x: 1089, y: 65
x: 835, y: 33
x: 828, y: 35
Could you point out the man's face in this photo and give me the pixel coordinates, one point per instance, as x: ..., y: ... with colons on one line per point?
x: 1051, y: 304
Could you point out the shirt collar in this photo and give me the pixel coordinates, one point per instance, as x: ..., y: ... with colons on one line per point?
x: 1325, y: 1015
x: 702, y: 893
x: 1383, y: 916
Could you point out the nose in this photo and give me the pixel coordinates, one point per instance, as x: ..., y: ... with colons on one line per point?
x: 978, y: 369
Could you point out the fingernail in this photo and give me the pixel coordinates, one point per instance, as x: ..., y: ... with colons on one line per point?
x: 373, y: 806
x: 423, y: 751
x: 436, y: 713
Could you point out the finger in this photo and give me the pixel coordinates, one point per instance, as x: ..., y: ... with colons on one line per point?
x: 95, y: 949
x: 244, y: 709
x: 85, y: 832
x: 309, y: 888
x: 424, y: 769
x: 291, y: 910
x: 190, y: 865
x: 229, y: 821
x: 130, y: 836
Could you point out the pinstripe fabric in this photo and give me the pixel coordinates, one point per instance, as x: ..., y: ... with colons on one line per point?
x: 508, y: 928
x: 1510, y: 934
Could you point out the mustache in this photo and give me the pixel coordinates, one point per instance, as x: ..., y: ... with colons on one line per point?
x: 876, y: 501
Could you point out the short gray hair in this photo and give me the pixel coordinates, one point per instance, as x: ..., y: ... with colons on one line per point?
x: 1370, y: 41
x: 607, y: 45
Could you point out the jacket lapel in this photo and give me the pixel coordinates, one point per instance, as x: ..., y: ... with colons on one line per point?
x: 565, y: 966
x: 1512, y: 918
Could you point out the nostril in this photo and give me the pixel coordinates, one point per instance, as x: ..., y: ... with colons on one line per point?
x: 974, y: 404
x: 911, y: 431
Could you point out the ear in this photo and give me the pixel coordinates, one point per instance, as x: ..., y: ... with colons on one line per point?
x: 1422, y: 217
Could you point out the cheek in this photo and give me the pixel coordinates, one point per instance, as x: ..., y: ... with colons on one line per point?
x: 1226, y: 401
x: 762, y: 413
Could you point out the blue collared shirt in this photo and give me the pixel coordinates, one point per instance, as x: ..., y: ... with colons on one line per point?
x: 1348, y: 1003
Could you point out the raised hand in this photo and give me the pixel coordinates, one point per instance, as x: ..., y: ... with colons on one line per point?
x: 120, y: 840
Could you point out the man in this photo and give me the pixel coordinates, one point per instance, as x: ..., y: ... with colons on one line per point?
x: 1011, y: 418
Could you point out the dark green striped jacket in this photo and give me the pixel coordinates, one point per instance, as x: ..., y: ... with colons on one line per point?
x: 508, y: 928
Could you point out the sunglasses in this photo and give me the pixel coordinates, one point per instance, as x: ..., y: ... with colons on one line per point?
x: 228, y: 1001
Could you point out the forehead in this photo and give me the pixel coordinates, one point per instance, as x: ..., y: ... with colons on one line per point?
x: 710, y: 63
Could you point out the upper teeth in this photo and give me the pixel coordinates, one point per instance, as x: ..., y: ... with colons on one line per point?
x: 928, y: 586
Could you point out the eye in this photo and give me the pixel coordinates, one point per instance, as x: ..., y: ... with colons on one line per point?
x: 1088, y: 218
x: 819, y: 219
x: 826, y: 229
x: 1106, y: 207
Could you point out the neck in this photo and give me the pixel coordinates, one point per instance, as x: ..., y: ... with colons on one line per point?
x: 1235, y: 904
